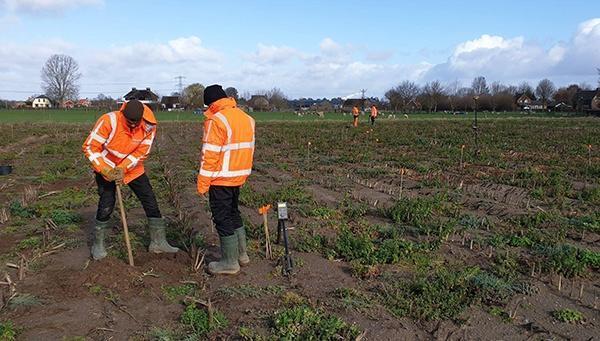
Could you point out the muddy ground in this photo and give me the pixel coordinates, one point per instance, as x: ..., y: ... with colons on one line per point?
x: 53, y: 291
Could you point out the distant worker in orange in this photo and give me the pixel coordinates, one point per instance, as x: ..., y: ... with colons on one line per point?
x: 355, y: 113
x: 117, y: 147
x: 225, y: 164
x: 374, y: 113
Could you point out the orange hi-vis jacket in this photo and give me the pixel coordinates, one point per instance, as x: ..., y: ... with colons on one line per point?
x: 374, y: 111
x: 354, y: 111
x: 227, y: 146
x: 113, y: 144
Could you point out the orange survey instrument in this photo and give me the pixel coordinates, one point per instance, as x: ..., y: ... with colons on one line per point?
x: 263, y: 211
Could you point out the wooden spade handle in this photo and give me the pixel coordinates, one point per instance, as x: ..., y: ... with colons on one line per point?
x: 125, y: 228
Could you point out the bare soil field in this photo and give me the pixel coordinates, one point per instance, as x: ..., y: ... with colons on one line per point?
x: 398, y: 231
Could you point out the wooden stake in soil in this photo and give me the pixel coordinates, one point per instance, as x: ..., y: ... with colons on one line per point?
x: 22, y: 268
x: 559, y: 282
x: 263, y: 211
x: 125, y: 228
x: 462, y: 151
x: 589, y: 155
x: 401, y: 181
x: 581, y: 291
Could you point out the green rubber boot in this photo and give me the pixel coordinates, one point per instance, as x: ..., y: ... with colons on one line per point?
x: 228, y: 265
x: 243, y: 258
x: 98, y: 250
x: 158, y: 241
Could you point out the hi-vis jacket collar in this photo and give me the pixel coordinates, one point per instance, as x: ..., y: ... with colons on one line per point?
x: 219, y: 105
x: 147, y: 116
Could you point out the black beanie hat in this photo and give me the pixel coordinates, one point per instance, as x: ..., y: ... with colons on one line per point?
x: 134, y: 110
x: 213, y: 93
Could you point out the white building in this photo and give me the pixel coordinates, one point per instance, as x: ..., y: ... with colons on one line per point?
x: 41, y: 102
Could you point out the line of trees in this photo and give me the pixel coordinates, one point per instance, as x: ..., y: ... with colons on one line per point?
x: 435, y: 96
x: 60, y: 75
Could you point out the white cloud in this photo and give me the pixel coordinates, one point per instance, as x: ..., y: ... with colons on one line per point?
x: 330, y: 47
x: 515, y: 59
x: 180, y: 50
x: 271, y: 54
x: 379, y: 56
x: 41, y: 6
x: 335, y: 69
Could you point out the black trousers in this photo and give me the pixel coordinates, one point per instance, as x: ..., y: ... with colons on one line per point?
x: 224, y: 208
x: 140, y: 186
x: 372, y: 120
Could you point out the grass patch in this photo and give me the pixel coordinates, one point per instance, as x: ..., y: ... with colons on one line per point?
x: 305, y: 323
x: 33, y: 242
x: 350, y: 298
x: 568, y: 316
x: 23, y: 300
x: 352, y: 209
x: 18, y: 210
x: 163, y: 334
x: 96, y: 289
x: 416, y: 212
x: 570, y: 261
x: 65, y: 217
x: 376, y: 245
x: 310, y: 242
x: 445, y: 294
x: 173, y: 292
x: 250, y: 291
x: 198, y: 320
x: 8, y: 331
x: 249, y: 334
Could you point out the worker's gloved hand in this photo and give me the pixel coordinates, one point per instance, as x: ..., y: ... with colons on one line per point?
x: 106, y: 172
x: 116, y: 174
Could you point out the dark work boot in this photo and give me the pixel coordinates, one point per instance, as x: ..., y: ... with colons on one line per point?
x: 98, y: 250
x: 243, y: 258
x: 158, y: 241
x: 228, y: 265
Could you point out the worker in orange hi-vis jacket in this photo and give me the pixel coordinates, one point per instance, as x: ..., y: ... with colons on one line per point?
x: 117, y: 147
x: 374, y: 113
x: 355, y: 114
x: 226, y: 163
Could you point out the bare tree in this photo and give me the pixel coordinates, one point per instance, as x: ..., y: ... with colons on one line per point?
x: 479, y: 86
x: 567, y: 95
x: 545, y: 90
x: 452, y: 92
x: 598, y: 69
x: 59, y: 78
x: 434, y: 93
x: 526, y: 89
x: 497, y: 88
x: 277, y: 99
x: 193, y: 96
x: 407, y: 92
x: 512, y: 90
x: 104, y: 102
x: 394, y: 99
x: 232, y: 92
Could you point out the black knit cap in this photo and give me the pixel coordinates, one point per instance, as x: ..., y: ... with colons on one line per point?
x: 134, y: 110
x: 213, y: 93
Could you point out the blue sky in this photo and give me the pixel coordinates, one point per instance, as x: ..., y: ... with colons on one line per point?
x: 306, y: 48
